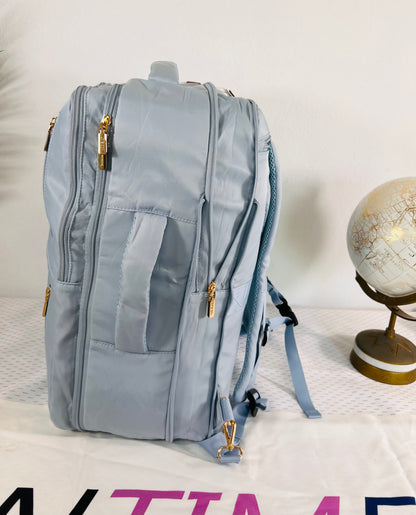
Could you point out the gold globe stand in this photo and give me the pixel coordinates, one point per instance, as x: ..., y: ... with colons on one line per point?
x: 385, y: 356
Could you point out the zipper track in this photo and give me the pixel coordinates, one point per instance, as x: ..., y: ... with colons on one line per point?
x: 239, y: 244
x: 210, y: 174
x: 110, y: 107
x: 245, y: 225
x: 211, y: 166
x: 207, y: 200
x: 77, y: 133
x: 189, y: 288
x: 220, y: 276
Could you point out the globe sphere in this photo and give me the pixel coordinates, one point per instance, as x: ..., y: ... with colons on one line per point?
x: 381, y: 237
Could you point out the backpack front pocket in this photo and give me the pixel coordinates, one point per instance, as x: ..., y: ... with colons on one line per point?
x: 127, y: 394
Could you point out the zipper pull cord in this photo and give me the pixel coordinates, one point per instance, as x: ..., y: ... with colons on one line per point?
x: 103, y: 141
x: 211, y: 299
x: 48, y: 136
x: 45, y: 305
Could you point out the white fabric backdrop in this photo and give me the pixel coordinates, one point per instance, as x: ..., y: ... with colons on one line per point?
x: 365, y: 445
x: 290, y: 465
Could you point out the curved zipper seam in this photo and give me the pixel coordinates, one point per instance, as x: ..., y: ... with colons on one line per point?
x: 254, y: 111
x: 62, y: 236
x: 210, y: 170
x: 89, y: 272
x: 110, y: 108
x: 45, y: 164
x: 78, y: 194
x: 187, y: 295
x: 211, y: 167
x: 242, y: 243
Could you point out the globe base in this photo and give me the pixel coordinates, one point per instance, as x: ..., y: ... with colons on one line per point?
x: 384, y: 356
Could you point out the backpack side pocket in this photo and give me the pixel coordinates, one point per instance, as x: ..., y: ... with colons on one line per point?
x: 61, y: 330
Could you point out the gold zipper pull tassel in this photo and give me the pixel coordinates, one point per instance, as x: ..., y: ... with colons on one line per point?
x: 103, y: 141
x: 211, y: 300
x: 45, y: 305
x: 48, y: 136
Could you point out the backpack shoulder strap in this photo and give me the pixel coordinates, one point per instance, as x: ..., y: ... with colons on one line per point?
x: 225, y: 445
x: 289, y: 319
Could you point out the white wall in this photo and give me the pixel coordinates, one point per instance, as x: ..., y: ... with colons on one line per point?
x: 336, y: 80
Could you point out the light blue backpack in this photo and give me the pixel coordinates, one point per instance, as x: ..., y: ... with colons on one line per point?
x: 163, y: 201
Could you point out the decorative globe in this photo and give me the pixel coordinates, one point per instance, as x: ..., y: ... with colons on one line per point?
x: 381, y: 237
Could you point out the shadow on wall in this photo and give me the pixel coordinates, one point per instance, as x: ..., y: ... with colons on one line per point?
x: 14, y: 130
x: 301, y: 236
x: 8, y: 141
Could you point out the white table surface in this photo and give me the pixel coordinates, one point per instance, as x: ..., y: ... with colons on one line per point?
x: 363, y: 447
x: 325, y: 338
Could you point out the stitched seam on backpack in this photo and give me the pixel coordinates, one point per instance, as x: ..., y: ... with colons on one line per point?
x: 78, y: 193
x: 65, y: 283
x: 112, y: 347
x: 133, y: 223
x: 152, y: 212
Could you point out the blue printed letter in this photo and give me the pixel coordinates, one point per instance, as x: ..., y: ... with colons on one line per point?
x: 371, y: 503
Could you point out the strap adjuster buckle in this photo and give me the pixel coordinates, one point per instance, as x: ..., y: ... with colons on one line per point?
x: 286, y: 311
x: 265, y: 334
x: 253, y: 396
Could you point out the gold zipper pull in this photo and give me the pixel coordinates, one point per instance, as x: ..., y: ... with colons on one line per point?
x: 103, y: 141
x: 211, y: 300
x: 230, y: 429
x: 48, y: 136
x: 45, y: 305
